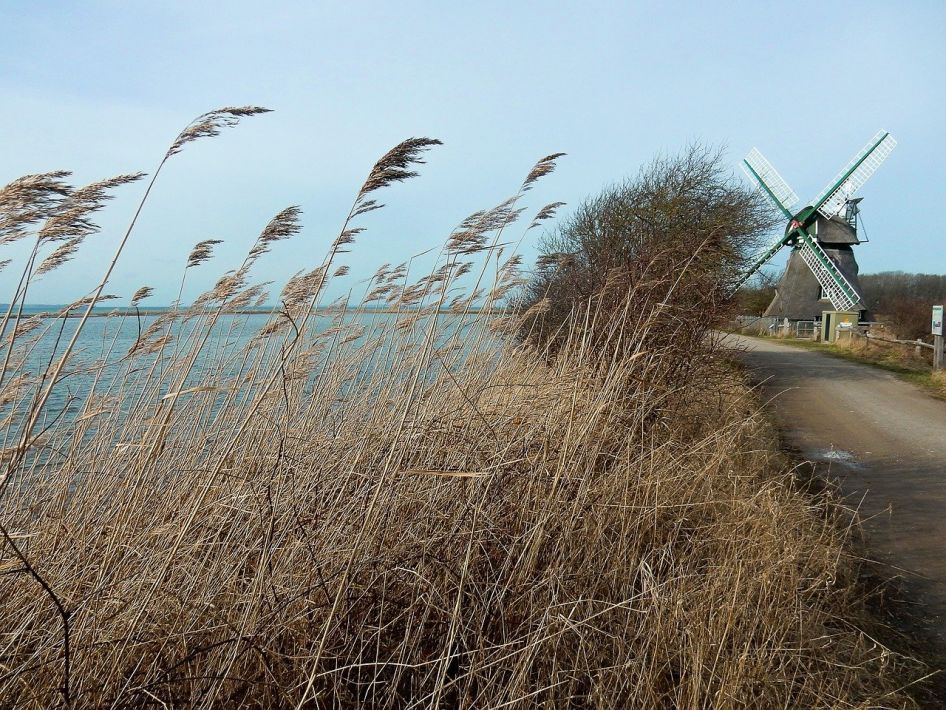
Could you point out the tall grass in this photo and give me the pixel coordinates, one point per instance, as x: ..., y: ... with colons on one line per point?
x: 402, y: 509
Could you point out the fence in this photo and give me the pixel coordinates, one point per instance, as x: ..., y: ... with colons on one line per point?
x: 804, y: 329
x: 756, y: 324
x: 776, y: 326
x: 811, y: 330
x: 854, y: 333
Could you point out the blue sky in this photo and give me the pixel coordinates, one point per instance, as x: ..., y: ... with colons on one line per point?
x: 101, y: 88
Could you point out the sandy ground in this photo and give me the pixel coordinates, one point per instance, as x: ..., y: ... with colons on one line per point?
x: 884, y: 439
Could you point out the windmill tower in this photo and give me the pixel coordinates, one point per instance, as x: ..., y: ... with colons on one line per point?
x: 821, y: 273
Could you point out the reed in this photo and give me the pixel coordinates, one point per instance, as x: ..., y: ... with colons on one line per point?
x: 409, y: 508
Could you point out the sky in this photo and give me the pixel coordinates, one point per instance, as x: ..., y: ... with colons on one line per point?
x: 102, y: 88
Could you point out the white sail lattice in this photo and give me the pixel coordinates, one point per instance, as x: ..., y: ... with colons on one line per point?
x: 869, y: 158
x: 839, y: 290
x: 771, y: 178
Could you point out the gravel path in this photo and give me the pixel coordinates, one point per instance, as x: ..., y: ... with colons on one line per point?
x: 884, y: 439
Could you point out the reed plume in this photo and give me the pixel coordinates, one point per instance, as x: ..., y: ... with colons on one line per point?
x: 395, y: 165
x: 72, y: 218
x: 59, y: 256
x: 210, y: 124
x: 201, y: 252
x: 544, y: 167
x: 141, y: 294
x: 284, y: 225
x: 29, y: 200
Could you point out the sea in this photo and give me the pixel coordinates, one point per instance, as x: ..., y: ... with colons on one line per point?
x: 101, y: 353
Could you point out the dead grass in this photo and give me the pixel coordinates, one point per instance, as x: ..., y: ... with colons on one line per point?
x: 411, y: 510
x: 939, y: 382
x: 889, y: 354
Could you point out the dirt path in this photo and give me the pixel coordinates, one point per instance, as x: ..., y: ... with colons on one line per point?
x: 885, y: 440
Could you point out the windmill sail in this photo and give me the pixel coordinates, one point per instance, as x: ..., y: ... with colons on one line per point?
x: 837, y: 288
x: 759, y: 261
x: 855, y: 174
x: 759, y: 169
x: 834, y: 268
x: 768, y: 177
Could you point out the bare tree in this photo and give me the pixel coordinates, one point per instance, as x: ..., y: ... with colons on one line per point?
x: 756, y: 295
x: 669, y: 242
x: 904, y: 300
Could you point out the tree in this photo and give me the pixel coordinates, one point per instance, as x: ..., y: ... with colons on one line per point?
x: 904, y: 300
x: 664, y: 247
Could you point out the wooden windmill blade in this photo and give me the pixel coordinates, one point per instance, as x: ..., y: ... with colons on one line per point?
x: 761, y: 170
x: 760, y: 260
x: 782, y: 196
x: 839, y: 290
x: 822, y: 256
x: 833, y: 198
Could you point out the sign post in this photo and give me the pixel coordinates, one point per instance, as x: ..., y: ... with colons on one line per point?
x: 937, y: 329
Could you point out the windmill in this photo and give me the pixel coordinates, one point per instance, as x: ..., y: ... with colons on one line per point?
x: 821, y: 269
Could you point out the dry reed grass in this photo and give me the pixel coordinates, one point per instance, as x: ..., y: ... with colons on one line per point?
x: 896, y: 355
x: 939, y: 380
x: 409, y: 509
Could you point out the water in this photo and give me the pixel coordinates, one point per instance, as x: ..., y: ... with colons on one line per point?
x: 101, y: 359
x: 104, y: 360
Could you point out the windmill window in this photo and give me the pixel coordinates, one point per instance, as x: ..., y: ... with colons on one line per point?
x: 822, y: 294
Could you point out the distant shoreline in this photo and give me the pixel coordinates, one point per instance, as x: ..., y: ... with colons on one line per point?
x: 51, y: 311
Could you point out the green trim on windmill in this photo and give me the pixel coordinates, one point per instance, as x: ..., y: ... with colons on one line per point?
x: 832, y: 279
x: 767, y: 189
x: 841, y: 180
x: 832, y: 268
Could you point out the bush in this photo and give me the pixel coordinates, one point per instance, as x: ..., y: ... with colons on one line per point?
x: 754, y: 297
x: 665, y: 246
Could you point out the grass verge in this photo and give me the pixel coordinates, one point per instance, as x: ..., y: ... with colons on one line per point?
x: 890, y: 358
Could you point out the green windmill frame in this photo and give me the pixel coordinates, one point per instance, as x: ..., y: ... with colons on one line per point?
x: 837, y: 288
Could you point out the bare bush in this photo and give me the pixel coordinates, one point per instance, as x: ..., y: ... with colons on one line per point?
x: 666, y: 245
x: 755, y: 297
